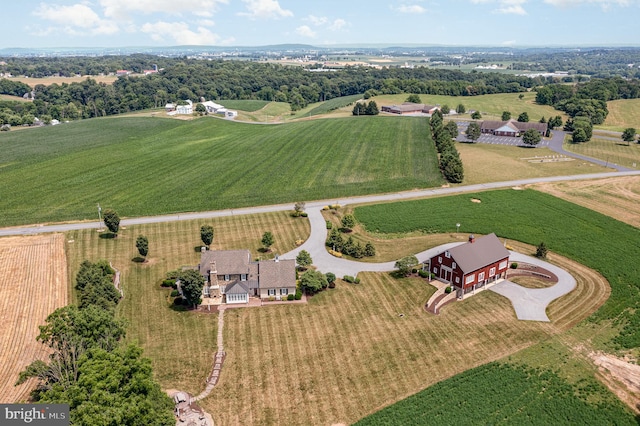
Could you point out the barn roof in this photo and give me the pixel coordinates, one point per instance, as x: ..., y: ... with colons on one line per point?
x: 482, y: 252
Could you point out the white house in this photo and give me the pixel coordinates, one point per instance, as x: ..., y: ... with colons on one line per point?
x: 185, y: 109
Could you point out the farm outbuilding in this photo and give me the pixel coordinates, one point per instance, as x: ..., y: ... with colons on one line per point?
x: 472, y: 265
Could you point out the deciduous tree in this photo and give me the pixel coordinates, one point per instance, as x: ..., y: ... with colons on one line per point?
x: 531, y: 137
x: 191, y: 283
x: 414, y: 99
x: 142, y: 244
x: 405, y: 265
x: 111, y: 221
x: 523, y: 117
x: 460, y: 109
x: 473, y: 131
x: 476, y: 115
x: 313, y: 281
x: 267, y: 240
x: 629, y: 135
x: 506, y: 116
x: 206, y: 234
x: 303, y: 259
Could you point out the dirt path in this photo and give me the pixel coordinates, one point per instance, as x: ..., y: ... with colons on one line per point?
x: 621, y: 377
x: 218, y: 362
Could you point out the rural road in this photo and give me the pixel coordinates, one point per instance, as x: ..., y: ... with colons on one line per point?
x: 555, y: 144
x: 397, y: 196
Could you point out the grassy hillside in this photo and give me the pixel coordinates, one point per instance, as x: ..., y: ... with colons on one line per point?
x: 623, y: 113
x: 145, y: 166
x: 595, y: 240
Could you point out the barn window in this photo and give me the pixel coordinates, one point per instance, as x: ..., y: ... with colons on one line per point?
x: 439, y: 259
x: 447, y: 254
x: 481, y: 276
x: 454, y: 265
x: 503, y: 265
x: 435, y: 270
x: 492, y: 271
x: 470, y: 278
x: 457, y: 280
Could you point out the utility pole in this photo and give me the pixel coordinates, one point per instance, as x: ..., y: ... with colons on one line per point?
x: 99, y: 218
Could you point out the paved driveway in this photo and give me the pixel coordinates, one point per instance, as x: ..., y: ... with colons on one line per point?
x: 529, y: 304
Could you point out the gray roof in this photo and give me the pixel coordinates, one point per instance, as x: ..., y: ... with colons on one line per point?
x: 482, y: 252
x: 229, y: 262
x: 515, y: 125
x: 237, y: 287
x: 277, y: 274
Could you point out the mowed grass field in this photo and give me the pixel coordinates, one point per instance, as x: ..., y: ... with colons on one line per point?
x: 611, y: 150
x: 145, y: 166
x: 623, y: 113
x: 491, y: 106
x: 181, y: 344
x: 33, y: 284
x: 309, y: 364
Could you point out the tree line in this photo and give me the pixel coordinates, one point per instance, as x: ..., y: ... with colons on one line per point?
x: 89, y: 368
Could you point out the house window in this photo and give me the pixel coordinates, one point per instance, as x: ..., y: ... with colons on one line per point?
x: 453, y: 266
x: 470, y: 278
x: 439, y: 259
x: 503, y: 265
x: 457, y: 280
x: 284, y: 291
x: 271, y: 292
x: 447, y: 254
x: 226, y: 277
x: 435, y: 270
x: 481, y: 276
x: 492, y: 271
x: 243, y: 277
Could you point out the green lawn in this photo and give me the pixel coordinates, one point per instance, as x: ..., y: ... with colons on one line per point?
x: 613, y: 151
x: 243, y: 105
x: 331, y: 105
x: 593, y: 239
x: 147, y: 166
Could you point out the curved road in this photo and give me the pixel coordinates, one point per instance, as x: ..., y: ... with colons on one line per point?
x: 555, y: 144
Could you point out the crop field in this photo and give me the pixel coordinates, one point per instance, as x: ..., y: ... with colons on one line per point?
x: 593, y: 239
x: 516, y: 395
x: 33, y: 272
x: 617, y: 197
x: 145, y: 166
x: 331, y: 105
x: 623, y: 113
x: 612, y: 151
x: 491, y: 106
x: 162, y: 331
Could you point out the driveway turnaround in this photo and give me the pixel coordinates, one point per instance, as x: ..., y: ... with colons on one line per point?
x: 529, y: 304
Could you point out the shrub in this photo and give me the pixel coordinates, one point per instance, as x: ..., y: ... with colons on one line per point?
x: 514, y: 265
x: 332, y: 284
x: 448, y: 289
x: 329, y: 224
x: 168, y: 283
x: 298, y: 295
x: 174, y: 293
x: 414, y: 271
x: 357, y: 281
x: 349, y: 279
x: 291, y: 297
x: 304, y: 214
x: 335, y: 253
x: 272, y: 298
x: 177, y: 301
x: 423, y: 274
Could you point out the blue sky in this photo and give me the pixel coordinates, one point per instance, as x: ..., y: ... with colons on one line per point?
x: 120, y: 23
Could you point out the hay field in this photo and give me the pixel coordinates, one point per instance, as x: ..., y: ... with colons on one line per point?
x: 33, y: 272
x: 623, y: 113
x: 48, y: 81
x: 617, y: 197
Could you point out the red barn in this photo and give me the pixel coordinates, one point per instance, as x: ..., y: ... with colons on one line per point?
x: 471, y: 265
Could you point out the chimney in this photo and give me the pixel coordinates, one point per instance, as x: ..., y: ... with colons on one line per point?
x: 472, y: 239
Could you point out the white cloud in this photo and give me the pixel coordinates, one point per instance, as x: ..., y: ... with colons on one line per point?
x: 509, y: 43
x: 180, y: 33
x: 512, y: 7
x: 412, y: 9
x: 265, y: 9
x: 305, y: 31
x: 206, y: 22
x: 337, y: 24
x: 75, y: 19
x: 317, y: 20
x: 604, y: 3
x: 122, y: 9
